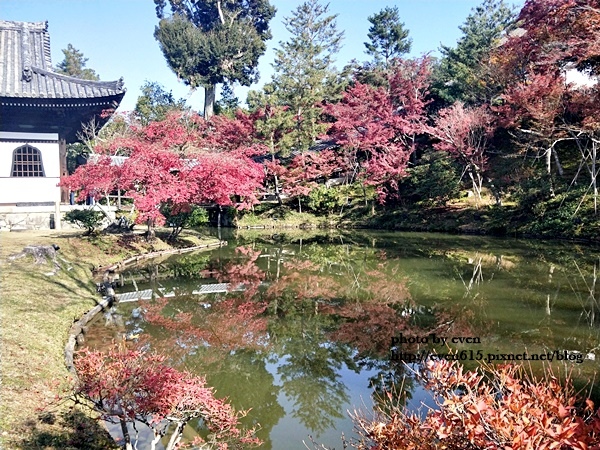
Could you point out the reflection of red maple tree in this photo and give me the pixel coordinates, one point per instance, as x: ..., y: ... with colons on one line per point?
x: 303, y: 278
x: 370, y: 327
x: 243, y: 272
x: 227, y: 324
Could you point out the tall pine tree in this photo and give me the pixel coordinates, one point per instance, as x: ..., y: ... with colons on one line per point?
x: 74, y: 65
x: 304, y: 75
x: 388, y: 38
x: 208, y: 42
x: 461, y: 72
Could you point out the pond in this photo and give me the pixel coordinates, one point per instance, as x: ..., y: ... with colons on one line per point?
x: 303, y: 327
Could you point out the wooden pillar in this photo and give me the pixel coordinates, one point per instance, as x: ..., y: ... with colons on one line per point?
x: 62, y: 154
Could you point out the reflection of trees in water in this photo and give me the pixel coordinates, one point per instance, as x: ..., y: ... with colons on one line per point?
x: 243, y: 376
x: 393, y: 383
x: 315, y: 310
x: 242, y: 271
x: 556, y: 289
x: 328, y: 308
x: 189, y: 266
x: 183, y: 326
x: 309, y: 363
x: 585, y: 284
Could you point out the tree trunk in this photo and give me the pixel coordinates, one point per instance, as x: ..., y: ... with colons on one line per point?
x: 277, y: 193
x: 126, y: 436
x: 176, y: 436
x: 156, y: 440
x: 209, y: 101
x: 557, y: 162
x: 594, y: 176
x: 477, y: 182
x: 151, y: 234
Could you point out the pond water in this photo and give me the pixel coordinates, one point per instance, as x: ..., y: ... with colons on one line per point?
x: 303, y: 327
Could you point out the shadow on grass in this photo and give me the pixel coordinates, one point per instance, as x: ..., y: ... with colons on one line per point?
x: 69, y: 430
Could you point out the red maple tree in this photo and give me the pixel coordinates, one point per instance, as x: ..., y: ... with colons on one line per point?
x: 130, y: 385
x: 504, y: 408
x: 377, y: 126
x: 464, y: 132
x: 174, y: 162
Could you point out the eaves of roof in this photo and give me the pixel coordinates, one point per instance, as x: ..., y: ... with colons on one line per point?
x: 26, y: 68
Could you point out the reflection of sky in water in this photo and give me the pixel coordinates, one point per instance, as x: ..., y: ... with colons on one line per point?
x: 289, y: 432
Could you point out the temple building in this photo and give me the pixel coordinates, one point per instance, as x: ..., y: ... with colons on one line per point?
x: 41, y: 112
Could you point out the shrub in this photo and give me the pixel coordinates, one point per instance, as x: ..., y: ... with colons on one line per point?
x: 433, y: 181
x: 326, y: 199
x: 85, y: 218
x: 506, y: 409
x: 179, y: 216
x: 198, y: 217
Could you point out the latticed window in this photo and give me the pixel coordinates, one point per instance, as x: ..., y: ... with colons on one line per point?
x: 27, y: 162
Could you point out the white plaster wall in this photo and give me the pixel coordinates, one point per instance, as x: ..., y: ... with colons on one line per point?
x: 29, y: 189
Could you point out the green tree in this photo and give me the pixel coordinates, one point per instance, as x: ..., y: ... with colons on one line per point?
x: 461, y: 72
x: 275, y: 122
x: 228, y: 104
x: 388, y: 38
x: 74, y: 65
x: 304, y: 74
x: 155, y: 103
x: 208, y: 42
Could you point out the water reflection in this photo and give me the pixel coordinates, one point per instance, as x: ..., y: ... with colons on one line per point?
x: 287, y: 324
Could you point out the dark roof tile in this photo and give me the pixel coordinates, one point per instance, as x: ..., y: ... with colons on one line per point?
x: 26, y: 67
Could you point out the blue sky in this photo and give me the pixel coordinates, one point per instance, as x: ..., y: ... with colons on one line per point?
x: 117, y: 35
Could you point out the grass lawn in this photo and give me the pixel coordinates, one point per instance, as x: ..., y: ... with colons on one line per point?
x: 38, y: 304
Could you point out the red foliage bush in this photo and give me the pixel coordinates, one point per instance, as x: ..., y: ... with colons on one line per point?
x: 504, y: 409
x: 133, y: 386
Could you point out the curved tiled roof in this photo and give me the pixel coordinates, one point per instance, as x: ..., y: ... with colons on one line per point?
x: 26, y: 67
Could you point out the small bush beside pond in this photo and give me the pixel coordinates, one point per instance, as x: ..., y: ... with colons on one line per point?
x: 505, y: 408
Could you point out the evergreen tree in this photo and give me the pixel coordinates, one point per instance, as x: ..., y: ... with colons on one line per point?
x: 461, y: 72
x: 228, y: 104
x: 304, y: 74
x: 155, y: 103
x: 208, y: 42
x: 74, y: 65
x: 388, y: 38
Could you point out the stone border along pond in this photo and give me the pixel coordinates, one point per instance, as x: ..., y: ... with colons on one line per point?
x: 79, y: 327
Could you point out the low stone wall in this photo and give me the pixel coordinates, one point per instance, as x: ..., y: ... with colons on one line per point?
x: 78, y: 330
x: 40, y: 216
x: 27, y: 219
